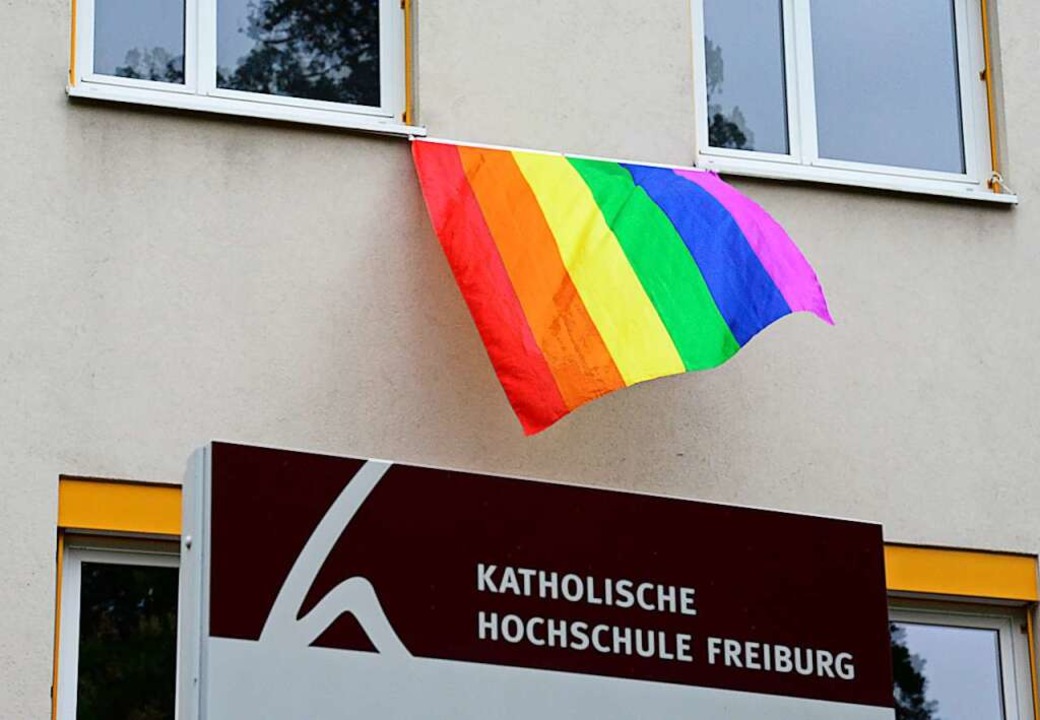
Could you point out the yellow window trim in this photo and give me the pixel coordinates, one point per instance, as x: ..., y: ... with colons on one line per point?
x: 119, y: 507
x: 409, y: 62
x: 991, y: 105
x: 57, y: 624
x: 963, y: 573
x: 72, y: 45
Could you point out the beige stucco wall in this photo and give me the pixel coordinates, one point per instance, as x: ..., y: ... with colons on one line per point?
x: 168, y: 279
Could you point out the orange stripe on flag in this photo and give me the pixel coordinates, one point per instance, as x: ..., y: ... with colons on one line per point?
x: 577, y: 356
x: 467, y: 242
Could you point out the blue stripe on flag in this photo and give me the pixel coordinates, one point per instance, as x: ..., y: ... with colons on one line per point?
x: 746, y: 295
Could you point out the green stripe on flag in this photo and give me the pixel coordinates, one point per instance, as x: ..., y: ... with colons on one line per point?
x: 663, y: 265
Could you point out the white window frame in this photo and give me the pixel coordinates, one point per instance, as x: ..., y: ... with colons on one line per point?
x: 1008, y: 622
x: 804, y: 161
x: 199, y: 91
x: 69, y: 611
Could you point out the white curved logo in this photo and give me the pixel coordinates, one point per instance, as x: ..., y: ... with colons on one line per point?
x: 354, y: 595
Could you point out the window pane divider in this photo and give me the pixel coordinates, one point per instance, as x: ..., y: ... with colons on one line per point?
x: 124, y: 82
x: 893, y: 170
x: 84, y: 64
x: 391, y: 58
x: 191, y: 39
x: 205, y: 48
x: 968, y: 81
x: 972, y: 80
x: 700, y: 81
x: 800, y: 37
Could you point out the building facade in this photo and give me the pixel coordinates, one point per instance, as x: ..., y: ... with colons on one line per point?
x: 177, y: 268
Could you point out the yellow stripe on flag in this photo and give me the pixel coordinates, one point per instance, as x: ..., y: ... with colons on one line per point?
x: 619, y: 306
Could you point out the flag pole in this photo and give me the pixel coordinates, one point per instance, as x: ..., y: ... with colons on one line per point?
x: 511, y: 148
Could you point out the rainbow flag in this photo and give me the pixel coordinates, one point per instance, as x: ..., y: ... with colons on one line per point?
x: 586, y: 276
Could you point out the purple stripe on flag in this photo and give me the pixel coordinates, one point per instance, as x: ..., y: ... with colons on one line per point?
x: 786, y: 265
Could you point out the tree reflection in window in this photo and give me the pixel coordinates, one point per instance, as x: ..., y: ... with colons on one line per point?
x: 909, y: 684
x: 723, y: 131
x: 140, y: 39
x: 317, y: 50
x: 127, y: 642
x: 156, y: 64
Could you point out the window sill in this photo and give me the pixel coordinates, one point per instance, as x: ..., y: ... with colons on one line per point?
x: 242, y: 108
x: 872, y: 181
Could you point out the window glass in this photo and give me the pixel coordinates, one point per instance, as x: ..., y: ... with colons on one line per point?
x: 299, y: 48
x: 141, y: 39
x: 127, y: 642
x: 887, y: 83
x: 946, y: 673
x: 744, y: 57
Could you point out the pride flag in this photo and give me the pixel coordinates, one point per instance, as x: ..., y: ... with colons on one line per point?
x: 586, y: 276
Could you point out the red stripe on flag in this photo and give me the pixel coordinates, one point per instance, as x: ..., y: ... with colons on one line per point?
x: 573, y: 347
x: 482, y: 277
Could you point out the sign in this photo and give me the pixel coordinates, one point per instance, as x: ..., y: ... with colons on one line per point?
x: 324, y: 587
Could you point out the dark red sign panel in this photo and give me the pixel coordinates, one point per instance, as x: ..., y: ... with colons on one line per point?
x: 480, y: 569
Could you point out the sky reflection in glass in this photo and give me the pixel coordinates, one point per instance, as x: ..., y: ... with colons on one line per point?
x: 887, y: 83
x: 961, y: 669
x: 744, y: 49
x: 141, y: 39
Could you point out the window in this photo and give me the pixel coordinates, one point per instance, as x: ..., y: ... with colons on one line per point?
x: 118, y: 632
x: 340, y: 63
x: 960, y: 663
x: 116, y: 610
x: 879, y: 93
